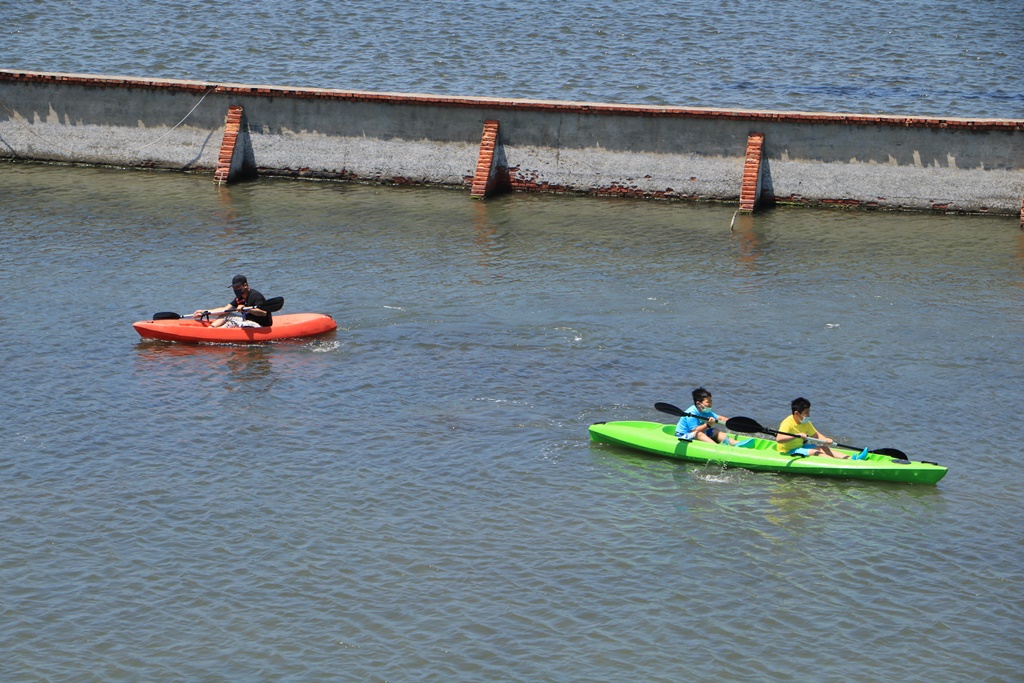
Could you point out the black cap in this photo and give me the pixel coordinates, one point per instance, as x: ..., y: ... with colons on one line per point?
x: 238, y: 281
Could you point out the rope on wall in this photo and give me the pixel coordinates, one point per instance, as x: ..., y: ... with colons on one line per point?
x: 212, y: 88
x: 16, y: 119
x: 68, y: 150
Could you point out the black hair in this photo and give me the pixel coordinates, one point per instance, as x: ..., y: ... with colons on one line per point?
x: 699, y: 394
x: 800, y: 404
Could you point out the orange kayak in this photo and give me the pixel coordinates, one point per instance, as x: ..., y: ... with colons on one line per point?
x: 288, y: 326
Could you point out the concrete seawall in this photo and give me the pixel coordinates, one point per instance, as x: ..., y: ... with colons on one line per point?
x: 488, y: 145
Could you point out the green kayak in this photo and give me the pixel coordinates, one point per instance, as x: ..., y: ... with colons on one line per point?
x: 761, y: 455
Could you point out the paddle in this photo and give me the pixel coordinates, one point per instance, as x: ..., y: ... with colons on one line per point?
x: 678, y: 412
x: 672, y: 410
x: 747, y: 425
x: 272, y: 305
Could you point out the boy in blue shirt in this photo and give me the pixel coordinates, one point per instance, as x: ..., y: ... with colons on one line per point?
x: 701, y: 423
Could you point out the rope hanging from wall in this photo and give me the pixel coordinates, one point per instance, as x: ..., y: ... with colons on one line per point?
x: 29, y: 128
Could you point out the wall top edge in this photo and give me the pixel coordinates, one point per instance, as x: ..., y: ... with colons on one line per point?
x: 174, y: 84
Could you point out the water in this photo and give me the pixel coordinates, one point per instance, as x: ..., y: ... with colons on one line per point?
x: 414, y: 496
x: 913, y: 57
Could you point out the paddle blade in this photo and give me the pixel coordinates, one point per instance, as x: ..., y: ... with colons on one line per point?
x: 746, y: 425
x: 166, y: 315
x: 273, y: 305
x: 892, y: 453
x: 668, y: 408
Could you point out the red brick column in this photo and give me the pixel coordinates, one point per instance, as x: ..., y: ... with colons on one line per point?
x: 229, y: 146
x: 483, y: 179
x: 750, y: 190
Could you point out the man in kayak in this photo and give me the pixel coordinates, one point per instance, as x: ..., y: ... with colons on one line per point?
x: 701, y: 423
x: 245, y: 297
x: 799, y: 422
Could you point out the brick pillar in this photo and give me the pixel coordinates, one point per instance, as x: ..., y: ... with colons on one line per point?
x: 233, y: 161
x: 483, y: 179
x: 750, y: 190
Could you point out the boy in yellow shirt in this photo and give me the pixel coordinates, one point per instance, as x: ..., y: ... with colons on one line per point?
x: 798, y: 422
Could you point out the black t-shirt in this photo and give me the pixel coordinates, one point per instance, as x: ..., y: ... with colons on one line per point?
x: 254, y: 298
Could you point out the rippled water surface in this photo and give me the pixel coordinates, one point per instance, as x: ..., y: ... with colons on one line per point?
x: 414, y: 496
x: 921, y: 57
